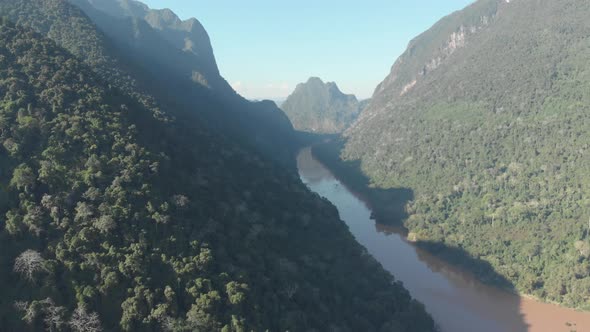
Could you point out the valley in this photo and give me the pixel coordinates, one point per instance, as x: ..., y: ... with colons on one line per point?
x: 457, y: 300
x: 149, y: 182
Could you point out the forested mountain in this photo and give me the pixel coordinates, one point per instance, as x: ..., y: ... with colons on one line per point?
x: 179, y: 58
x: 120, y: 212
x: 130, y: 54
x: 320, y: 107
x: 189, y: 36
x: 485, y: 117
x: 166, y: 43
x: 113, y: 219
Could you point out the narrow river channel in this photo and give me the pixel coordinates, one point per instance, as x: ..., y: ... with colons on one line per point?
x: 454, y: 298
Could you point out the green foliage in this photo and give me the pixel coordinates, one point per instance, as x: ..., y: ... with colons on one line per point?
x: 128, y: 221
x: 492, y: 140
x: 23, y: 178
x: 320, y: 107
x: 135, y: 57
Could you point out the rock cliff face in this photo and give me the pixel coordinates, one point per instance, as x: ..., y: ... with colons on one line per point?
x: 189, y: 35
x: 178, y: 58
x: 320, y: 107
x: 473, y: 118
x: 428, y: 51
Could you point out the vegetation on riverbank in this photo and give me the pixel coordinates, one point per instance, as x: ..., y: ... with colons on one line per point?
x: 117, y: 216
x: 386, y: 205
x: 486, y: 118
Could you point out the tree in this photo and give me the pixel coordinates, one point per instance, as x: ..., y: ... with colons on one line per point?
x: 30, y: 310
x: 54, y: 316
x: 105, y: 224
x: 180, y: 201
x: 83, y: 212
x: 29, y: 263
x: 82, y: 321
x: 583, y: 248
x: 236, y: 292
x: 23, y: 178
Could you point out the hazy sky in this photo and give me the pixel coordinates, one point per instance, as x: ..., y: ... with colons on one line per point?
x: 265, y: 47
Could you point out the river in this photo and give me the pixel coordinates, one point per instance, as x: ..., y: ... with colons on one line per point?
x: 455, y: 299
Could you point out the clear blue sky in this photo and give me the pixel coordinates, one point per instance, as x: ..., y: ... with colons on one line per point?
x: 265, y: 47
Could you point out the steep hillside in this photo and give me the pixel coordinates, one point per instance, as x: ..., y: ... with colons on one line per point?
x: 113, y: 219
x: 130, y: 54
x: 485, y: 118
x: 320, y: 107
x: 189, y: 36
x: 160, y: 38
x: 363, y: 104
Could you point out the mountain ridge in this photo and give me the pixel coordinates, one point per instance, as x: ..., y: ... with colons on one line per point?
x: 195, y: 87
x: 147, y: 64
x: 195, y: 38
x: 480, y: 139
x: 120, y: 214
x: 318, y: 107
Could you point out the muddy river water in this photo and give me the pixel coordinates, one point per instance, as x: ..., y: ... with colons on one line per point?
x: 454, y: 298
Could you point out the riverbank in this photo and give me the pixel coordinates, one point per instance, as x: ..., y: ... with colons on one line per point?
x: 388, y: 207
x: 453, y: 296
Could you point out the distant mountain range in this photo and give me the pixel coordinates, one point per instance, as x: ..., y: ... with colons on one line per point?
x: 319, y: 107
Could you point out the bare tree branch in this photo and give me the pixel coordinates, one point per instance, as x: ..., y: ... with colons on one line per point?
x: 29, y: 263
x: 82, y: 321
x: 30, y: 311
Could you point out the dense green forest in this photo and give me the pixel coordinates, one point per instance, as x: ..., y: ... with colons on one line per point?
x: 321, y: 108
x: 487, y: 123
x: 166, y: 49
x: 136, y: 57
x: 115, y: 219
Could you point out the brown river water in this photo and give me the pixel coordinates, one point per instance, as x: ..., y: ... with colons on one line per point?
x: 456, y: 300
